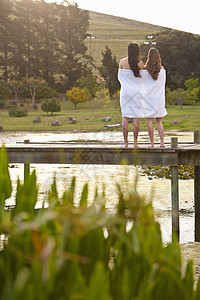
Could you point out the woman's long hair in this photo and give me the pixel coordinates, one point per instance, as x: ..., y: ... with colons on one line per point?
x: 134, y: 58
x: 153, y: 63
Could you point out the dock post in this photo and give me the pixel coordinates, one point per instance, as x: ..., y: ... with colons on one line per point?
x: 197, y: 191
x: 197, y: 137
x: 175, y: 192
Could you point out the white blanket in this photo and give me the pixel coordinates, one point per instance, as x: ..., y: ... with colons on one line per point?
x: 142, y: 97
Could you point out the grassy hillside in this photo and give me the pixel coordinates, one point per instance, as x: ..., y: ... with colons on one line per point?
x: 116, y: 33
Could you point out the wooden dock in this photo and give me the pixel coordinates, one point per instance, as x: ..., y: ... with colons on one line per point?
x: 173, y: 154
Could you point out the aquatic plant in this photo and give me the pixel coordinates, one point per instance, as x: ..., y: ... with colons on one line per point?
x: 82, y: 252
x: 184, y: 172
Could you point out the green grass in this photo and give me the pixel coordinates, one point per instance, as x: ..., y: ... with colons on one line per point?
x: 90, y: 120
x: 107, y: 26
x: 116, y: 33
x: 189, y: 115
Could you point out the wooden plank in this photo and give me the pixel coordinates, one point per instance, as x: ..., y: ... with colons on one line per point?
x: 189, y: 157
x: 175, y: 199
x: 197, y: 136
x: 52, y: 155
x: 175, y: 192
x: 174, y: 142
x: 197, y: 202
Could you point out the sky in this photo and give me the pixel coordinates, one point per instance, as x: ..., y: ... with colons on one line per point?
x: 176, y: 14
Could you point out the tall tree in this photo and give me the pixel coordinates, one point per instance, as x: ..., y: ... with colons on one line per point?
x: 5, y: 92
x: 88, y: 81
x: 72, y: 32
x: 42, y: 40
x: 46, y: 45
x: 180, y: 53
x: 16, y: 85
x: 6, y: 7
x: 109, y: 70
x: 26, y: 28
x: 33, y: 85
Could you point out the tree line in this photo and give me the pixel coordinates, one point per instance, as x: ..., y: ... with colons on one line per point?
x: 42, y: 40
x: 180, y: 54
x: 46, y: 42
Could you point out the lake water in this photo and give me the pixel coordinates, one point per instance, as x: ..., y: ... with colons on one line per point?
x: 97, y: 175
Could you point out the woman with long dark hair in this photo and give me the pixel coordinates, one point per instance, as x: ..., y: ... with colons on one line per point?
x: 153, y: 66
x: 131, y: 62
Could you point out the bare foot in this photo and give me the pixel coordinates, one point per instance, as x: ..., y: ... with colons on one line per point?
x: 162, y: 146
x: 152, y: 146
x: 125, y: 145
x: 135, y: 145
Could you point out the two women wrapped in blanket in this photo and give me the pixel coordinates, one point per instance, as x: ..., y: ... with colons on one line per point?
x: 142, y: 93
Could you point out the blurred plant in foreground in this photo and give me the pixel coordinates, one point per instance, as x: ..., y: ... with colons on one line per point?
x: 83, y: 252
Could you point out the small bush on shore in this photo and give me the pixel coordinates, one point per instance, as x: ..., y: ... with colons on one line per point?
x: 51, y: 105
x: 15, y: 111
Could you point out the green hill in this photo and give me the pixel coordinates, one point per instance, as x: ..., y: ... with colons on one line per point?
x: 116, y: 33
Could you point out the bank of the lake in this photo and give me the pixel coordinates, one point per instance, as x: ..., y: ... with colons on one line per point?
x: 91, y: 120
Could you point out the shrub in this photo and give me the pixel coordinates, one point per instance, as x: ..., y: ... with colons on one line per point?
x: 15, y: 111
x: 13, y: 103
x: 45, y: 92
x: 77, y: 95
x: 2, y: 105
x: 50, y: 105
x: 35, y: 106
x: 169, y: 97
x: 5, y: 92
x: 102, y: 97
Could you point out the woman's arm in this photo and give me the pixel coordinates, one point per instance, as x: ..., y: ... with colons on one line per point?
x: 120, y: 64
x: 141, y: 65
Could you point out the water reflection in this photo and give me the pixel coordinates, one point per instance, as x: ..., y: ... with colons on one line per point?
x: 100, y: 136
